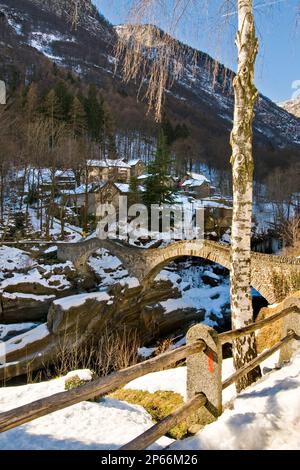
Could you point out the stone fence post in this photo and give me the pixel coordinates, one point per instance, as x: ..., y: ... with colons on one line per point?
x: 204, y: 374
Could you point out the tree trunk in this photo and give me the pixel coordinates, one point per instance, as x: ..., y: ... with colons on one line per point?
x: 1, y: 194
x: 86, y: 203
x: 244, y: 349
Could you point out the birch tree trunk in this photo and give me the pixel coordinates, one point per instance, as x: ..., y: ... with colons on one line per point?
x: 244, y: 349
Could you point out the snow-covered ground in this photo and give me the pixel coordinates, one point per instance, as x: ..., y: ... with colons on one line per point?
x: 12, y: 259
x: 265, y: 416
x: 109, y: 270
x: 87, y: 425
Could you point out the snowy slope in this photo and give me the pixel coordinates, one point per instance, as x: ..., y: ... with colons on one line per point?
x: 265, y: 416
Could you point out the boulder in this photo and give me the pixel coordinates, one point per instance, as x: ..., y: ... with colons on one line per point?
x: 21, y: 307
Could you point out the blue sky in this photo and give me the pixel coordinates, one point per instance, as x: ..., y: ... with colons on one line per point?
x: 278, y: 63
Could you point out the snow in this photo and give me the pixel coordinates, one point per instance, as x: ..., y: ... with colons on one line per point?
x: 34, y: 276
x: 174, y: 380
x: 211, y: 299
x: 265, y: 416
x: 21, y: 295
x: 72, y: 301
x: 145, y: 352
x: 110, y: 270
x: 108, y: 424
x: 83, y: 374
x: 198, y: 176
x: 13, y: 329
x: 211, y: 274
x: 13, y: 258
x: 118, y: 163
x: 133, y: 162
x: 171, y: 380
x: 51, y: 249
x: 43, y: 42
x: 20, y: 341
x: 123, y: 187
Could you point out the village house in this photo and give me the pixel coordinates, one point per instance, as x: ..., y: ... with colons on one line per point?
x: 111, y: 191
x: 108, y: 170
x: 75, y: 198
x: 104, y: 192
x: 196, y: 185
x: 137, y: 167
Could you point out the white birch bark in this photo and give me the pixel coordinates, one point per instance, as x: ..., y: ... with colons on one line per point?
x: 244, y: 349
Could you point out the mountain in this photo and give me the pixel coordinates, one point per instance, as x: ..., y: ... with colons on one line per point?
x: 292, y: 106
x: 35, y: 33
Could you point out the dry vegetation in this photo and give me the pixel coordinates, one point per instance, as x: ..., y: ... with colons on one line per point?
x: 159, y: 405
x: 114, y: 350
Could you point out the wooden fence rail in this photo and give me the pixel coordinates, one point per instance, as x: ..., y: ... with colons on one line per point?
x: 204, y: 384
x: 12, y: 418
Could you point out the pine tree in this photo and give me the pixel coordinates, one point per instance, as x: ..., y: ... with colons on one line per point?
x: 158, y: 190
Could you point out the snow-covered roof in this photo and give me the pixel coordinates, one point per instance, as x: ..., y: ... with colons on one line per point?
x: 195, y: 180
x: 118, y: 163
x: 134, y: 162
x: 144, y: 176
x: 192, y: 183
x: 92, y: 187
x: 125, y: 188
x: 201, y: 203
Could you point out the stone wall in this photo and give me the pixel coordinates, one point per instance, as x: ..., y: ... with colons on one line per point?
x: 273, y: 276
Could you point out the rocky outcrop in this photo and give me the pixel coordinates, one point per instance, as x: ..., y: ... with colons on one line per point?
x: 18, y: 307
x: 74, y: 319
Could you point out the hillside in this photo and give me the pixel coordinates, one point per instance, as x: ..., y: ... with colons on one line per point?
x: 36, y: 33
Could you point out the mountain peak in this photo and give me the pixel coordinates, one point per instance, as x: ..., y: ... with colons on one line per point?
x: 292, y: 106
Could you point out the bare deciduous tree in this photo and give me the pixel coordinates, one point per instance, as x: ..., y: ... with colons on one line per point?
x: 167, y: 59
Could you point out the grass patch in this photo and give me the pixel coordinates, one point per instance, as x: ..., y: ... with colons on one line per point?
x: 158, y: 404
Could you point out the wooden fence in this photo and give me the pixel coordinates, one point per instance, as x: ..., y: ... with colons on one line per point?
x: 203, y: 354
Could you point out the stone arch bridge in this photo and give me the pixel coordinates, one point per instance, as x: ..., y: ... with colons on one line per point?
x: 274, y: 277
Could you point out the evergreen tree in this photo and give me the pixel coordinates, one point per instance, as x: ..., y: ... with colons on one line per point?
x: 168, y: 130
x: 95, y: 114
x: 133, y: 197
x: 65, y: 99
x: 158, y: 189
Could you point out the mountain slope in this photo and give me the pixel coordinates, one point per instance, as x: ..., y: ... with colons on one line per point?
x: 292, y: 106
x: 33, y: 31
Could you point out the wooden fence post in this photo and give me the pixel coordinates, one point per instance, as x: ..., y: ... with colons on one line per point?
x: 290, y: 322
x: 204, y: 374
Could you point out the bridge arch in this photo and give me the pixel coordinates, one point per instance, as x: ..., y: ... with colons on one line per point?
x: 274, y: 277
